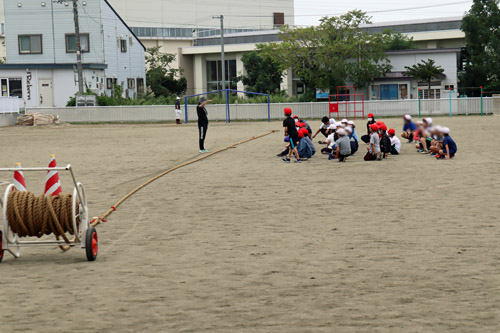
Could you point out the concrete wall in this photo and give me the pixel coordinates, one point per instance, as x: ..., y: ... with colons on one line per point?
x: 8, y: 119
x: 238, y: 13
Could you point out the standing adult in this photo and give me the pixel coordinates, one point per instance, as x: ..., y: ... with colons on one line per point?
x: 202, y: 122
x: 178, y: 111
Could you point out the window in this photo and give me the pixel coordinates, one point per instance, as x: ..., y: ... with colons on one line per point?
x: 30, y: 44
x: 109, y: 83
x: 15, y: 88
x: 279, y: 19
x: 214, y: 74
x: 123, y: 45
x: 140, y: 85
x: 11, y: 87
x: 449, y: 87
x: 71, y: 43
x: 131, y: 83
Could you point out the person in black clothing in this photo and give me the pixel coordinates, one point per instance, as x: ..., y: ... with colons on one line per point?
x: 202, y: 122
x: 385, y: 142
x: 371, y: 121
x: 293, y: 134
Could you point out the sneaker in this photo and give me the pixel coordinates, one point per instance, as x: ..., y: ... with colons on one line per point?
x: 424, y: 151
x: 286, y: 160
x: 434, y: 154
x: 440, y: 157
x: 297, y: 161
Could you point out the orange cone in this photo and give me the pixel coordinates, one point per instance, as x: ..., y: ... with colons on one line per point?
x: 52, y: 182
x: 18, y: 181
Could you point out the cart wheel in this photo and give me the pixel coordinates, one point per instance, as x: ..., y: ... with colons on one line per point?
x: 1, y: 250
x: 91, y: 244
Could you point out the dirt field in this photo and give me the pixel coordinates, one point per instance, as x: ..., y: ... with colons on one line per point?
x: 243, y: 242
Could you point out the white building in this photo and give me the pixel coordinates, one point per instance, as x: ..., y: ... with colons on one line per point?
x: 437, y: 39
x: 41, y: 52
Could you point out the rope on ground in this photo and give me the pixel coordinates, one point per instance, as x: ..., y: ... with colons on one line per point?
x: 35, y: 216
x: 113, y: 208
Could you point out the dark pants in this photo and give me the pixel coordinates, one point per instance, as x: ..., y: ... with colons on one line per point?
x: 370, y: 157
x: 202, y: 129
x: 324, y: 131
x: 342, y: 157
x: 394, y: 151
x: 365, y: 138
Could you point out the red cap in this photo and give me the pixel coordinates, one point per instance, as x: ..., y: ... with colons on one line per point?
x: 392, y: 131
x: 288, y: 111
x: 295, y: 117
x: 301, y: 134
x: 379, y: 123
x: 383, y: 127
x: 370, y: 115
x: 374, y: 127
x: 301, y: 124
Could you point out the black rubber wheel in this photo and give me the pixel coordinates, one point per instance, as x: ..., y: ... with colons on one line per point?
x: 1, y: 251
x: 91, y: 244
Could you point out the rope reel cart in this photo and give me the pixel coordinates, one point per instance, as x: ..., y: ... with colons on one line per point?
x: 64, y: 215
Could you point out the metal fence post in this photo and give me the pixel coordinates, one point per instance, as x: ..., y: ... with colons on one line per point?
x: 450, y: 100
x: 419, y: 105
x: 481, y: 101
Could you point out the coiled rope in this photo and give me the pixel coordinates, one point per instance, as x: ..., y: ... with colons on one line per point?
x: 102, y: 218
x: 35, y: 216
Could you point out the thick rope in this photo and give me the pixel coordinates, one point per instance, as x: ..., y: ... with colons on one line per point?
x: 113, y: 208
x: 35, y: 216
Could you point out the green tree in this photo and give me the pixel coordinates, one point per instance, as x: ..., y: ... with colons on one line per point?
x: 482, y: 36
x: 394, y: 41
x: 331, y: 54
x: 263, y: 74
x: 160, y: 76
x: 425, y: 71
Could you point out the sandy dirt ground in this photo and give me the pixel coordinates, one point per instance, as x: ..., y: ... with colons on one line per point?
x: 243, y: 242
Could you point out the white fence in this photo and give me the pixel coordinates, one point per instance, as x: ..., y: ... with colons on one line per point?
x: 10, y: 104
x: 142, y: 113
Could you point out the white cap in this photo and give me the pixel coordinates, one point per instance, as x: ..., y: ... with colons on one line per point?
x: 348, y: 129
x: 350, y: 122
x: 445, y: 130
x: 339, y: 124
x: 344, y: 121
x: 438, y: 128
x: 407, y: 117
x: 341, y: 132
x: 178, y: 98
x: 332, y: 121
x: 419, y: 122
x: 332, y: 127
x: 428, y: 120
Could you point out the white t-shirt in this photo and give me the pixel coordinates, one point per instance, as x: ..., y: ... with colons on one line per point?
x: 323, y: 126
x: 395, y: 141
x: 331, y: 139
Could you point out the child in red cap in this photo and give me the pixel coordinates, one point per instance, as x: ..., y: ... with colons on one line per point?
x: 293, y: 134
x: 395, y: 142
x: 371, y: 121
x: 374, y: 147
x: 385, y: 141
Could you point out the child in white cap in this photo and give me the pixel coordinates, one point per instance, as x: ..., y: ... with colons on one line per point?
x: 409, y: 128
x: 449, y: 146
x: 343, y: 146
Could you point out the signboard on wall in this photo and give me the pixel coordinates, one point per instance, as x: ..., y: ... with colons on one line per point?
x: 322, y: 93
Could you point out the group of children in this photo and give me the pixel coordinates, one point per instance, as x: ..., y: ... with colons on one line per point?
x: 342, y: 140
x: 432, y: 140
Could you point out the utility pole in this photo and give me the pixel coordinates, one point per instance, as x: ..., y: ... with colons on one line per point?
x: 221, y: 18
x: 79, y: 66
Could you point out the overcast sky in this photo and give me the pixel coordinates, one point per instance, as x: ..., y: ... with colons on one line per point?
x: 307, y: 12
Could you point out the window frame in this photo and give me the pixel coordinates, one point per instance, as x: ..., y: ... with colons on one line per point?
x: 123, y: 42
x: 29, y: 35
x: 73, y: 34
x: 278, y: 19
